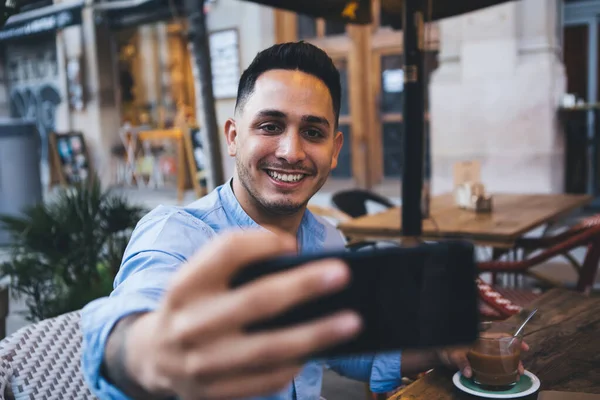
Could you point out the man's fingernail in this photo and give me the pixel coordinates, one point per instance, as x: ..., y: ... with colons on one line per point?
x: 467, y: 372
x: 334, y: 276
x: 349, y: 324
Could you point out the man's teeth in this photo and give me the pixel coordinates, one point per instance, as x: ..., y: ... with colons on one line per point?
x: 285, y: 177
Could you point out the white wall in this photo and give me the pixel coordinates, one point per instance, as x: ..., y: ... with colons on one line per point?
x: 495, y: 95
x: 256, y: 28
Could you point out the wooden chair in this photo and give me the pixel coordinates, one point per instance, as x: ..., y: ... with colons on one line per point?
x: 528, y: 246
x: 508, y: 301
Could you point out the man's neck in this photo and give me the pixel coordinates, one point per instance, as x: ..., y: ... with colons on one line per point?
x: 264, y: 218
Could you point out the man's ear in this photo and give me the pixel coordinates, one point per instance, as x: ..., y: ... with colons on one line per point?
x: 231, y: 137
x: 338, y: 141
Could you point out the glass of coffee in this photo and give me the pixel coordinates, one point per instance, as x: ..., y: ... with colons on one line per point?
x: 494, y: 359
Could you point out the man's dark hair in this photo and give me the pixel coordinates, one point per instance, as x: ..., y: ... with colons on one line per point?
x: 299, y: 56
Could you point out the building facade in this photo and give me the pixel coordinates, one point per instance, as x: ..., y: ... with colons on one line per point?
x: 496, y: 78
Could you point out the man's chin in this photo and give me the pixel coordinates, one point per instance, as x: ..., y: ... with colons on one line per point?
x: 284, y: 207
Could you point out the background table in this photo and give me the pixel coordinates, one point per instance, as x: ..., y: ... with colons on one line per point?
x: 512, y: 216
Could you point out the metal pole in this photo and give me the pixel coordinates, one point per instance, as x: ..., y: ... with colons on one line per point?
x: 198, y: 35
x: 412, y: 171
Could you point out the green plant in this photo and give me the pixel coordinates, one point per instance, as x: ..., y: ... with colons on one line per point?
x: 66, y: 252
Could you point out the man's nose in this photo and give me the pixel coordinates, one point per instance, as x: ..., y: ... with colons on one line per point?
x: 291, y: 147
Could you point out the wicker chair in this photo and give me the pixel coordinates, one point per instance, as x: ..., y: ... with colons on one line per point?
x: 42, y: 361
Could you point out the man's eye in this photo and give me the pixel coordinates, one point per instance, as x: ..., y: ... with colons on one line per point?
x: 270, y: 128
x: 314, y: 134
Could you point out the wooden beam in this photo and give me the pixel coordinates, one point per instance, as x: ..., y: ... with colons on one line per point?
x: 361, y: 99
x: 286, y: 26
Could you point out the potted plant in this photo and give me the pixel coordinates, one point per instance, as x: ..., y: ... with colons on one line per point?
x: 66, y: 252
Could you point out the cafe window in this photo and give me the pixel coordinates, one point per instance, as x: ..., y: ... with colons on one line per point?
x: 312, y: 28
x: 392, y: 83
x: 386, y: 19
x: 344, y: 167
x: 307, y: 27
x: 333, y: 28
x: 391, y: 111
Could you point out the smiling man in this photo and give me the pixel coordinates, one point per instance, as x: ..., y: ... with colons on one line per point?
x: 172, y: 326
x: 284, y: 137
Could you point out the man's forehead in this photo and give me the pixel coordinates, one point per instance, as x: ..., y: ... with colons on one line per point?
x: 275, y: 89
x: 289, y: 77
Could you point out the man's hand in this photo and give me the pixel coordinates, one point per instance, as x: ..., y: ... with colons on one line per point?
x: 457, y: 358
x: 195, y: 345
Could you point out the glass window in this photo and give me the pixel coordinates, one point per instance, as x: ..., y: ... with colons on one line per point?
x: 333, y: 28
x: 307, y: 27
x: 392, y: 80
x: 342, y: 66
x: 393, y: 153
x: 386, y: 19
x: 393, y: 133
x: 392, y: 83
x: 344, y: 167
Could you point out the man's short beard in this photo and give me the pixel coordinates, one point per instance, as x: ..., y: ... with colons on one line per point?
x: 277, y: 208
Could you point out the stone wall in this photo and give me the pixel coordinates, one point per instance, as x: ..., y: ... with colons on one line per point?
x: 495, y: 94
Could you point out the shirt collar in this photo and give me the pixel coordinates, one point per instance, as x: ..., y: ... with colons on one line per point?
x: 311, y: 234
x: 234, y: 209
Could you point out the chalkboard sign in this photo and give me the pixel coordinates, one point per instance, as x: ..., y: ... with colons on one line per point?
x: 69, y: 157
x: 196, y: 158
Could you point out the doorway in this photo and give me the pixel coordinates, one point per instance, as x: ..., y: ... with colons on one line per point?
x: 581, y: 47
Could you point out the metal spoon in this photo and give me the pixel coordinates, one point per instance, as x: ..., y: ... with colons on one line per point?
x: 523, y: 325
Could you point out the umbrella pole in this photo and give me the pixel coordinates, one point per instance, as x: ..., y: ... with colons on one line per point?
x: 413, y: 138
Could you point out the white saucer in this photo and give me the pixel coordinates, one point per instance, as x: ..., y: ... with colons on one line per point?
x: 528, y: 384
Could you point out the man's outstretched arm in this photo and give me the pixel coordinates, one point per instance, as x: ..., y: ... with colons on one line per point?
x: 200, y: 347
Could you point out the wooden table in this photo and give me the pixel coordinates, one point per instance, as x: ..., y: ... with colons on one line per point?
x: 513, y: 215
x: 564, y: 338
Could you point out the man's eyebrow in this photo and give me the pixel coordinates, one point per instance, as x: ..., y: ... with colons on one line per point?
x: 313, y: 119
x: 272, y: 114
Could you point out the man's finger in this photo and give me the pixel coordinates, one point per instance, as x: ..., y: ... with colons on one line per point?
x: 217, y: 261
x: 266, y: 350
x: 262, y: 299
x: 524, y: 346
x: 521, y: 368
x: 459, y: 359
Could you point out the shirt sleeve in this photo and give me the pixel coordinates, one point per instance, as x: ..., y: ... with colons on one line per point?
x: 381, y: 371
x: 160, y: 243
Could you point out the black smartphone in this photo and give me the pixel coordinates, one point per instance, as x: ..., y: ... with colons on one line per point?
x: 408, y: 297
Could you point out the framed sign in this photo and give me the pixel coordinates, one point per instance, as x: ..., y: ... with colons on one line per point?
x: 225, y: 62
x: 69, y: 158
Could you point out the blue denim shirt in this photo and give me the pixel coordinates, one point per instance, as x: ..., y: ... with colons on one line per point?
x: 162, y: 241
